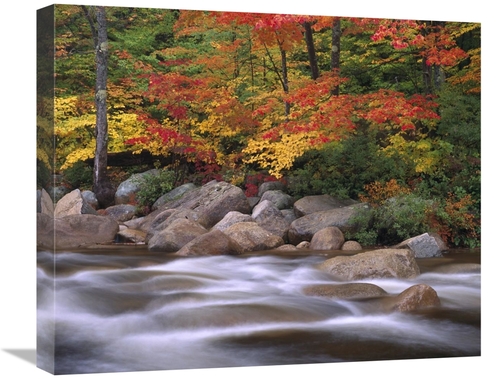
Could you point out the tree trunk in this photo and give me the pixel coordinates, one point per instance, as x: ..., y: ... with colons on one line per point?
x: 335, y: 53
x: 311, y: 51
x: 101, y: 184
x: 284, y: 70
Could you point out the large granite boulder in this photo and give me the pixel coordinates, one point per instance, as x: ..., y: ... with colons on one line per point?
x: 173, y: 195
x: 382, y: 263
x: 424, y: 246
x: 303, y: 228
x: 127, y: 190
x: 45, y: 204
x: 90, y: 198
x: 175, y: 236
x: 73, y: 203
x: 121, y: 212
x: 232, y: 218
x: 215, y: 242
x: 165, y: 218
x: 330, y: 238
x: 269, y: 217
x: 318, y: 203
x: 251, y: 237
x: 279, y: 198
x: 75, y: 231
x: 212, y: 202
x: 271, y: 186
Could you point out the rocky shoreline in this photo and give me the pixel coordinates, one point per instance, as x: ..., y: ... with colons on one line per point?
x: 189, y: 220
x: 218, y: 219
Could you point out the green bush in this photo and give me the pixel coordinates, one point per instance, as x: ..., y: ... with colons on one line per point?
x: 153, y: 186
x: 343, y: 168
x: 393, y: 221
x: 79, y: 176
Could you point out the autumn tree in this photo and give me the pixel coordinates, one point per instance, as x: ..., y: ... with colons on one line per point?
x: 101, y: 185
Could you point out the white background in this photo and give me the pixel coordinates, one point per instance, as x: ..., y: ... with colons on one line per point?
x: 18, y: 182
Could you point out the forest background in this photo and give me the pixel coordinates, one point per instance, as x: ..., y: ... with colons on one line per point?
x: 378, y: 110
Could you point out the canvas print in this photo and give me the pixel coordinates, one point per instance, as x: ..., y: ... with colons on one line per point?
x: 229, y: 189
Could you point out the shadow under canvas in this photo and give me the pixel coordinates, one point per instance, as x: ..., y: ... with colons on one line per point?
x: 29, y: 355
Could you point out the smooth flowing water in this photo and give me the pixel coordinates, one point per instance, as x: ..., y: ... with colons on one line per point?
x: 124, y: 310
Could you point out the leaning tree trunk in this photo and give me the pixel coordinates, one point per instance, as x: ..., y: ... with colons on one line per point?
x: 101, y: 185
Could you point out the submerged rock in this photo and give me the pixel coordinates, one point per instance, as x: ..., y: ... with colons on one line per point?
x: 345, y: 291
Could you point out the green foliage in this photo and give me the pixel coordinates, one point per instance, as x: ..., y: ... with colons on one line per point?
x: 79, y: 176
x: 401, y: 217
x: 153, y: 186
x: 391, y: 220
x: 394, y: 220
x: 343, y: 168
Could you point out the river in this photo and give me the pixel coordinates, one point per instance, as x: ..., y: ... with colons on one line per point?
x: 122, y: 309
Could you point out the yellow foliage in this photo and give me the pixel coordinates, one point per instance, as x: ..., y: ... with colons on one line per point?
x: 74, y: 131
x: 424, y: 154
x: 280, y: 155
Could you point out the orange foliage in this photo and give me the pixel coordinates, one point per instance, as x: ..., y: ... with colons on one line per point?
x: 379, y: 192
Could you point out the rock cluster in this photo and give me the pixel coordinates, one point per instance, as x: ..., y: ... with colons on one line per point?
x: 218, y: 219
x: 180, y: 218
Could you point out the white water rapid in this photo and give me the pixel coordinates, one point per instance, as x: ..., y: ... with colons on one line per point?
x: 126, y: 312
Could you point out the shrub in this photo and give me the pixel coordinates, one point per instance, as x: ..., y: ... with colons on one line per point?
x: 455, y: 220
x: 153, y: 186
x: 79, y: 176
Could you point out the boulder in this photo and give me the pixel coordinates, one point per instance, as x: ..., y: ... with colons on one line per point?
x: 381, y: 263
x: 345, y: 291
x: 303, y: 228
x: 271, y: 186
x: 424, y: 246
x: 232, y: 218
x: 304, y: 245
x: 72, y: 204
x: 287, y: 247
x: 213, y: 201
x: 171, y: 239
x: 330, y: 238
x: 280, y: 199
x: 173, y: 195
x: 46, y: 204
x: 252, y: 237
x: 288, y: 215
x: 416, y: 297
x: 132, y: 235
x: 127, y: 190
x: 165, y: 218
x: 90, y: 198
x: 269, y: 217
x: 351, y: 246
x: 75, y: 231
x: 121, y: 212
x: 253, y: 201
x: 318, y: 203
x: 215, y: 242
